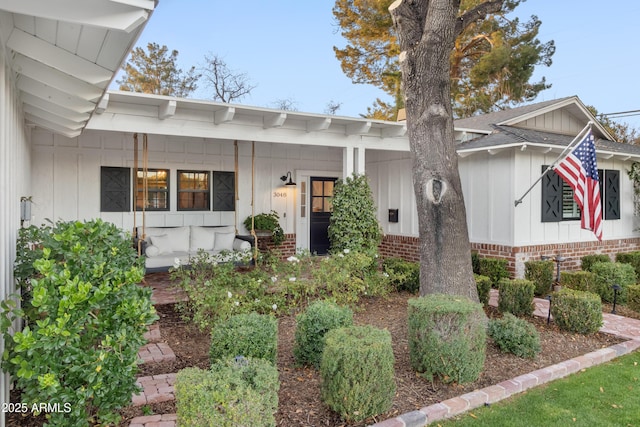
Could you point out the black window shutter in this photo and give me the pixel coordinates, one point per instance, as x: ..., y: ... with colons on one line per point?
x: 551, y: 196
x: 611, y: 194
x: 115, y: 193
x: 224, y: 191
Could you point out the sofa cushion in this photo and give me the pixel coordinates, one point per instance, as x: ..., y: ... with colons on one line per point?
x: 167, y: 260
x: 152, y: 251
x: 202, y: 238
x: 163, y: 243
x: 224, y: 238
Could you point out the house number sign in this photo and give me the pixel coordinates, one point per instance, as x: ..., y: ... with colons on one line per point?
x: 279, y: 194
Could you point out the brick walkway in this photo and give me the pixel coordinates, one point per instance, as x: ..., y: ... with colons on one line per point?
x: 612, y: 324
x: 164, y: 292
x: 155, y: 389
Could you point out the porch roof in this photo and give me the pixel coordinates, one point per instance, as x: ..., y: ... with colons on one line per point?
x: 65, y: 53
x: 164, y: 115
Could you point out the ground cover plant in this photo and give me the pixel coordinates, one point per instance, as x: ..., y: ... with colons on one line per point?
x: 599, y: 396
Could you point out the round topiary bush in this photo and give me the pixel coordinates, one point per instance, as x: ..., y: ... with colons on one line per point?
x: 357, y: 372
x: 515, y: 335
x: 249, y: 335
x: 576, y: 311
x: 312, y: 325
x: 447, y: 337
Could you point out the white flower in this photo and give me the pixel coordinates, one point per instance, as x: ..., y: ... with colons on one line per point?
x: 176, y: 263
x: 385, y: 274
x: 207, y: 283
x: 341, y: 256
x: 256, y: 300
x: 346, y: 251
x: 293, y: 259
x: 229, y: 294
x: 259, y: 280
x: 274, y: 279
x: 292, y: 279
x: 275, y: 307
x: 236, y: 303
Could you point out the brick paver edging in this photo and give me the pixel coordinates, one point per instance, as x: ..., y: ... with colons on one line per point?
x: 166, y: 420
x: 155, y: 389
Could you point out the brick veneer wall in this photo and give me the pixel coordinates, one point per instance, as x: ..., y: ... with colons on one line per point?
x: 286, y: 249
x: 407, y: 247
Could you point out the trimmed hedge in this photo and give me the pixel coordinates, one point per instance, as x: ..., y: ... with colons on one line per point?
x: 633, y: 297
x: 404, y: 275
x: 516, y: 296
x: 447, y: 337
x: 483, y: 285
x: 514, y: 335
x: 357, y: 372
x: 493, y: 268
x: 576, y: 311
x: 588, y: 260
x: 631, y: 258
x: 312, y: 325
x: 235, y: 392
x: 541, y: 274
x: 248, y: 334
x: 578, y: 280
x: 611, y: 273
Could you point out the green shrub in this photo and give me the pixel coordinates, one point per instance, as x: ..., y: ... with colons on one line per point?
x: 354, y: 223
x: 312, y: 325
x: 576, y: 311
x: 516, y: 297
x: 631, y: 258
x: 403, y: 275
x: 514, y: 335
x: 483, y: 285
x: 237, y: 392
x: 85, y: 321
x: 588, y: 260
x: 248, y: 334
x: 633, y: 297
x: 612, y: 273
x: 578, y: 280
x: 475, y: 262
x: 541, y: 274
x: 447, y: 337
x: 494, y: 268
x: 357, y: 372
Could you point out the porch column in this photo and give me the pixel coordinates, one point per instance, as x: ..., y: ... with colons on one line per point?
x: 359, y: 161
x: 347, y: 161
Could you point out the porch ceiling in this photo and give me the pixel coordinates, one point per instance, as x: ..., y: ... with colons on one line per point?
x: 65, y: 53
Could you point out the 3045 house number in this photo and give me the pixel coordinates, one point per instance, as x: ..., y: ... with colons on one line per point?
x: 279, y: 194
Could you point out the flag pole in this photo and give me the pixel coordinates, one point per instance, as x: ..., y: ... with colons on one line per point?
x: 577, y: 138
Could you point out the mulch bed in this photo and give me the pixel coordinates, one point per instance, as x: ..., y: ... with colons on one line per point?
x: 300, y: 402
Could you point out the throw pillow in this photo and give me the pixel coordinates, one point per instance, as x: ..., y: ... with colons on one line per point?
x: 152, y: 251
x: 163, y: 243
x: 224, y: 241
x: 201, y: 238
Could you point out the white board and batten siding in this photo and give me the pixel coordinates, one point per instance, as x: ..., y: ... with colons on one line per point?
x: 14, y: 183
x: 67, y: 173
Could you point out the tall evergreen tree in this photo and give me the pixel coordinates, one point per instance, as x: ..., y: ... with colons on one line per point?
x: 491, y: 63
x: 156, y: 71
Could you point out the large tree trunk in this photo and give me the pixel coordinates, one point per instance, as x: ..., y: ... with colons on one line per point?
x: 427, y: 30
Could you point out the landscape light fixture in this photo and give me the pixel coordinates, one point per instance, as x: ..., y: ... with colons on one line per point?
x: 616, y: 289
x: 284, y: 178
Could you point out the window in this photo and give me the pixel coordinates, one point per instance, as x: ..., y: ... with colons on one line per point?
x: 157, y: 190
x: 115, y: 189
x: 193, y: 191
x: 224, y: 191
x: 558, y: 203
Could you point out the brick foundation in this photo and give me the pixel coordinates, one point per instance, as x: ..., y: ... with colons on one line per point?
x: 286, y: 248
x: 407, y: 247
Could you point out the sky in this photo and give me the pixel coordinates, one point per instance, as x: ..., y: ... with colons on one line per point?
x: 286, y: 49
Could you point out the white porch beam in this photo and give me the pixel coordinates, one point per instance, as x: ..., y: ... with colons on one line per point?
x: 167, y: 109
x: 317, y: 125
x: 122, y: 16
x: 463, y: 154
x: 142, y: 4
x: 56, y: 109
x: 54, y: 78
x: 103, y: 104
x: 358, y: 128
x: 494, y: 151
x: 607, y: 156
x: 58, y: 58
x: 359, y: 166
x: 224, y: 115
x: 274, y: 120
x: 43, y: 91
x: 70, y: 133
x: 395, y: 131
x: 53, y: 118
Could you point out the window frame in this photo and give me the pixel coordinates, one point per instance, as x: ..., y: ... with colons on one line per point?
x: 150, y: 191
x: 180, y: 190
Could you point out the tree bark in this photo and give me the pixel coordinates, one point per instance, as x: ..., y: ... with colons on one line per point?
x: 427, y: 30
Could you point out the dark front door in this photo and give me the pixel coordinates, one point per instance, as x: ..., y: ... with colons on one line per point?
x: 321, y: 193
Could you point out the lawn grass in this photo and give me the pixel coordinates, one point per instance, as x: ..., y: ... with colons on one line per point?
x: 605, y: 395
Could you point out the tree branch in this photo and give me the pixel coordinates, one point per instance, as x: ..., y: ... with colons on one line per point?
x: 409, y: 17
x: 478, y: 13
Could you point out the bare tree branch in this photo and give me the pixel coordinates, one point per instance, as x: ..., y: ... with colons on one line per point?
x: 227, y: 85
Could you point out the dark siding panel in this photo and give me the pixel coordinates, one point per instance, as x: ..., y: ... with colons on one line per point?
x: 551, y: 196
x: 224, y: 191
x: 612, y: 194
x: 115, y: 189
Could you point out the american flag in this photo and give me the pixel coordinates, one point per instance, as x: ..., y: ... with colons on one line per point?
x: 580, y: 171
